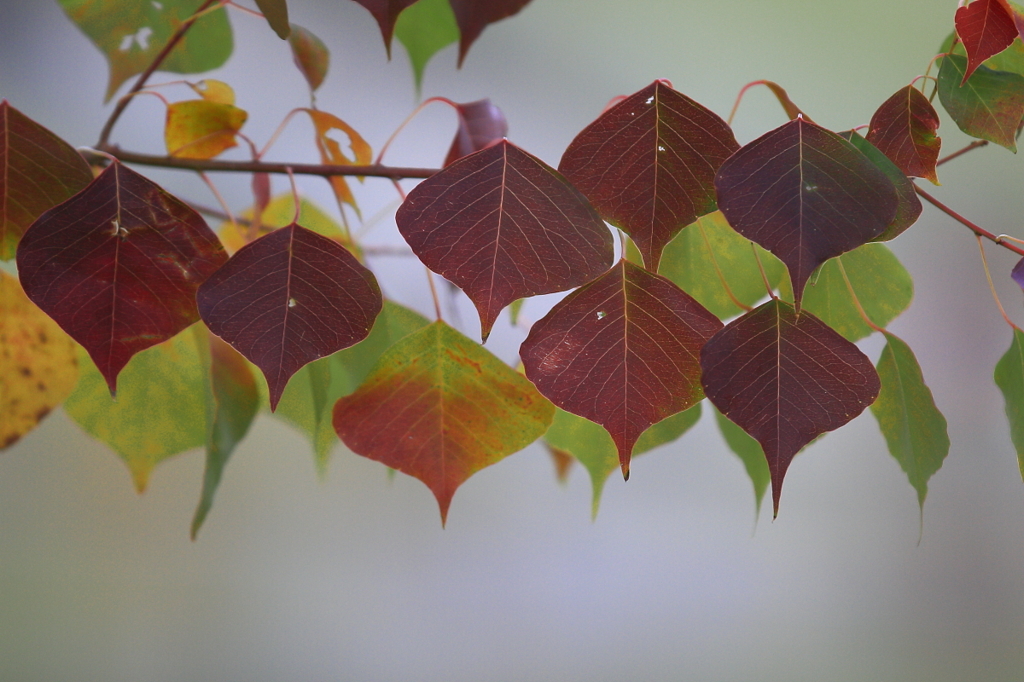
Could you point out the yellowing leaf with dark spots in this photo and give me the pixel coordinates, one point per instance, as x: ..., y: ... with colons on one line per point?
x: 38, y: 363
x: 201, y: 129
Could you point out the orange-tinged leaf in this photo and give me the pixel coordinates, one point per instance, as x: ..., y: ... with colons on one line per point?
x: 38, y: 365
x: 214, y: 91
x: 310, y: 55
x: 440, y: 407
x: 331, y: 152
x: 201, y: 129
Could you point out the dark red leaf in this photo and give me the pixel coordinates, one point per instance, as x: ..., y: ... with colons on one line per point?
x: 786, y: 379
x: 1016, y: 13
x: 622, y: 351
x: 908, y: 209
x: 648, y: 165
x: 38, y: 170
x: 117, y: 266
x: 501, y: 224
x: 472, y: 16
x: 288, y: 298
x: 481, y: 124
x: 903, y: 129
x: 386, y: 13
x: 986, y: 28
x: 806, y: 195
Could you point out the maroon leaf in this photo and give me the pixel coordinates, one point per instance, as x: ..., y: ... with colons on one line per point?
x: 481, y: 124
x: 289, y: 298
x: 903, y: 129
x: 502, y: 225
x: 38, y: 170
x: 806, y: 195
x: 386, y: 13
x: 472, y: 16
x: 786, y: 379
x: 622, y: 351
x: 986, y: 28
x: 117, y: 266
x: 648, y: 165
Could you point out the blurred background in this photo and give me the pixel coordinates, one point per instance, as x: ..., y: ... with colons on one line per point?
x: 351, y: 577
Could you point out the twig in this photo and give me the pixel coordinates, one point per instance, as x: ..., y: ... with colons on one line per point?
x: 974, y: 145
x: 980, y: 231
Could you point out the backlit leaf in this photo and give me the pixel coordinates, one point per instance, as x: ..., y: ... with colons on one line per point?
x: 214, y: 91
x: 386, y: 13
x: 785, y: 379
x: 38, y: 170
x: 309, y: 399
x: 425, y: 29
x: 201, y: 129
x: 501, y: 225
x: 280, y: 212
x: 38, y: 365
x: 310, y: 55
x: 648, y: 165
x: 473, y: 16
x: 276, y: 14
x: 481, y: 124
x: 806, y: 195
x: 985, y: 28
x: 903, y: 129
x: 440, y: 407
x: 990, y: 105
x: 330, y: 150
x: 1009, y: 377
x: 289, y: 298
x: 908, y: 208
x: 595, y: 450
x: 117, y: 266
x: 751, y: 455
x: 132, y: 34
x: 622, y: 351
x: 710, y: 251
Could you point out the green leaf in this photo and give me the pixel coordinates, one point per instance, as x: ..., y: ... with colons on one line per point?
x: 989, y: 106
x: 424, y: 29
x: 308, y: 400
x: 276, y: 14
x: 132, y: 34
x: 750, y: 453
x: 914, y: 429
x: 882, y: 284
x: 709, y: 250
x: 1009, y: 376
x: 593, y: 447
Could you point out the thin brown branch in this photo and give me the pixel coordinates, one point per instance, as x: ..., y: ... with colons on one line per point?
x: 974, y: 145
x: 978, y: 230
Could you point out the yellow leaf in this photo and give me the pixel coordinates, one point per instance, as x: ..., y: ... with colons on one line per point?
x: 214, y: 91
x: 331, y: 153
x: 38, y: 365
x: 278, y: 213
x: 200, y: 129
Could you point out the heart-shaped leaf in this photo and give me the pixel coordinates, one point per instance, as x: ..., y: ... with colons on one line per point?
x: 473, y: 16
x: 622, y: 351
x: 903, y: 129
x: 1009, y: 377
x: 648, y: 165
x: 440, y: 407
x: 118, y: 265
x: 908, y: 208
x: 38, y: 170
x: 785, y: 379
x: 990, y: 105
x: 985, y: 28
x: 310, y: 55
x: 481, y: 124
x: 501, y: 224
x: 806, y: 195
x: 289, y: 298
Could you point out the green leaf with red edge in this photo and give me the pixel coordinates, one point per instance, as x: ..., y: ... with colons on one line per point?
x: 648, y: 165
x: 502, y: 225
x: 232, y: 405
x: 785, y: 379
x: 440, y: 407
x: 201, y: 129
x: 914, y: 429
x: 289, y: 298
x: 38, y: 170
x: 985, y: 28
x: 908, y: 208
x: 989, y: 106
x: 276, y: 14
x: 1009, y: 377
x: 132, y: 34
x: 117, y: 266
x: 751, y: 455
x: 591, y: 445
x: 622, y: 351
x: 481, y: 124
x: 310, y: 55
x: 903, y: 129
x: 308, y: 401
x: 805, y: 194
x: 709, y: 260
x: 424, y: 29
x: 386, y: 13
x: 473, y: 16
x: 883, y: 287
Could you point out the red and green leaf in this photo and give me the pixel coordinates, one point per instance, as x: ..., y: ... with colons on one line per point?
x: 310, y: 55
x: 989, y: 106
x: 908, y: 208
x: 903, y: 129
